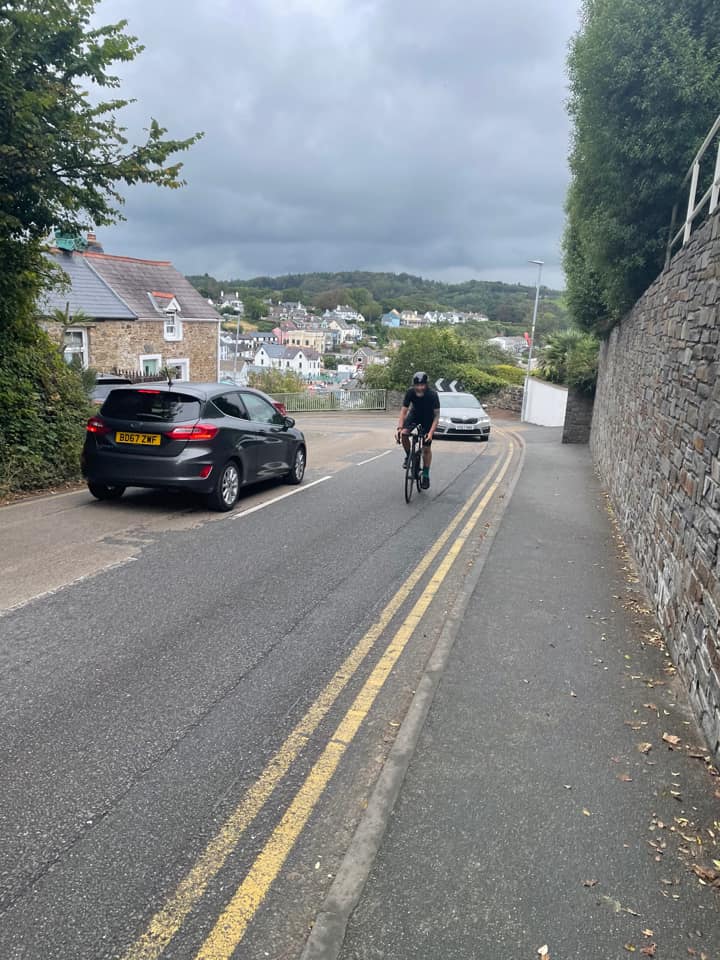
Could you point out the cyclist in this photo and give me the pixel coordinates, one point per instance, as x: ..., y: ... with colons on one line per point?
x: 421, y: 407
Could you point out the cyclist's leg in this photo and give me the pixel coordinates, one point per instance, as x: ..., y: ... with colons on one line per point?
x: 407, y: 429
x: 427, y: 460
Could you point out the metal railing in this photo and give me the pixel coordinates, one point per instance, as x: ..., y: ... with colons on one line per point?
x: 695, y: 207
x: 333, y: 400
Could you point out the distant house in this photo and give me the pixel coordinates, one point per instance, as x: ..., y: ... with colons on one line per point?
x: 304, y: 362
x: 365, y: 357
x: 391, y: 319
x: 133, y: 315
x: 514, y: 345
x: 311, y: 339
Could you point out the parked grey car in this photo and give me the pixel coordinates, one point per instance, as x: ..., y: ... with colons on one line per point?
x: 210, y: 438
x: 462, y: 415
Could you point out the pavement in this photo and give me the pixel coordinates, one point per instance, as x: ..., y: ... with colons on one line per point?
x: 546, y: 810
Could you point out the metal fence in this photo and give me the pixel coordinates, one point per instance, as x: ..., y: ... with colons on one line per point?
x: 330, y: 400
x: 710, y: 199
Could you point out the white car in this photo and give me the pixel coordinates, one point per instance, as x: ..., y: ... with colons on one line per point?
x: 462, y: 415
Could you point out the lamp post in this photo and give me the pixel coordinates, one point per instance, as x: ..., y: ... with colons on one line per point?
x: 540, y: 264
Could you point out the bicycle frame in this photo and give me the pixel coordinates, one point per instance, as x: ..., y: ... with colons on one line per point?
x: 413, y: 471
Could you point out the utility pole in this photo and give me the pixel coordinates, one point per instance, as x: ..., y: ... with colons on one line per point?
x: 540, y: 264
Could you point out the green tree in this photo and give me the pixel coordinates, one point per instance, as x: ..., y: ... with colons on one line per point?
x: 571, y: 358
x: 645, y: 88
x: 255, y: 309
x: 277, y: 381
x: 432, y: 350
x: 330, y: 361
x: 64, y: 156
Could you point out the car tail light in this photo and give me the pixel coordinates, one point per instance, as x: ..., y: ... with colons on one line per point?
x: 200, y: 431
x: 97, y: 425
x: 280, y: 407
x: 153, y: 392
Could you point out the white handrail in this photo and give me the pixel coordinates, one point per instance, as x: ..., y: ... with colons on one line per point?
x: 710, y: 199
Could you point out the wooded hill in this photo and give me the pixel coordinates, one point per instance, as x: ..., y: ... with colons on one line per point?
x: 507, y: 305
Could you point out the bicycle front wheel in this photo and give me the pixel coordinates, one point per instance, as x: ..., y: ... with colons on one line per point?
x: 410, y: 475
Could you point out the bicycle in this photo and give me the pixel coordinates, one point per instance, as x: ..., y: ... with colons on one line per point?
x: 413, y: 470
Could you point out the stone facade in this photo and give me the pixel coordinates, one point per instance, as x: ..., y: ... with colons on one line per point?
x: 578, y: 417
x: 656, y: 442
x: 509, y: 399
x: 119, y: 344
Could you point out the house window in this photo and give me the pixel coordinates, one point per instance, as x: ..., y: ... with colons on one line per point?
x: 75, y: 346
x: 180, y: 369
x: 150, y: 364
x: 173, y: 326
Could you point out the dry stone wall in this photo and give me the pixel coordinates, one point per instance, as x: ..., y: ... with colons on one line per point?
x: 656, y: 442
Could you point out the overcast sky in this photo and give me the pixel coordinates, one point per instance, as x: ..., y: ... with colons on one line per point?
x: 420, y: 135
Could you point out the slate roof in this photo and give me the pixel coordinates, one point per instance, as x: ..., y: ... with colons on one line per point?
x: 278, y: 352
x: 106, y: 287
x: 87, y: 292
x: 134, y: 279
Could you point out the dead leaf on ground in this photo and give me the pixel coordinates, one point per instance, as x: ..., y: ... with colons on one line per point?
x: 590, y: 883
x: 670, y: 739
x: 649, y: 951
x: 644, y: 748
x: 630, y: 947
x: 648, y: 933
x: 709, y: 877
x: 625, y: 778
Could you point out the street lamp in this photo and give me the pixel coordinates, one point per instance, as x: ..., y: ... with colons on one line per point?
x: 540, y: 264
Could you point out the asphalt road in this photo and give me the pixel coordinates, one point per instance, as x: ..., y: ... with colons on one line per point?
x: 194, y: 709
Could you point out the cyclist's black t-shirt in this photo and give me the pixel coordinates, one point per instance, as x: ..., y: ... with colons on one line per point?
x: 423, y: 408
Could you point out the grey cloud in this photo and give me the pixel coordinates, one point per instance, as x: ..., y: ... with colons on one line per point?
x: 342, y: 134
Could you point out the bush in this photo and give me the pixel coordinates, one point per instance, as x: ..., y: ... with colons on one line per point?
x: 509, y: 373
x: 476, y: 381
x: 582, y: 365
x: 277, y: 381
x: 377, y: 377
x: 45, y: 408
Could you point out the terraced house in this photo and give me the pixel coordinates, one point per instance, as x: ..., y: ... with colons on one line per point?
x: 130, y: 315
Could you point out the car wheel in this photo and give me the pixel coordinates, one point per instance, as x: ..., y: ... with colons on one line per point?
x: 297, y: 471
x: 226, y: 491
x: 105, y: 491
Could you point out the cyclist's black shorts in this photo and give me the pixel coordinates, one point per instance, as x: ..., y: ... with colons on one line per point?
x: 411, y: 423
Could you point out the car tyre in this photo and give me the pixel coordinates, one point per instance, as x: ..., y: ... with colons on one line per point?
x: 226, y: 491
x: 105, y: 491
x: 297, y: 471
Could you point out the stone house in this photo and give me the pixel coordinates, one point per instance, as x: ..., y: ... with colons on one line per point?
x: 138, y: 316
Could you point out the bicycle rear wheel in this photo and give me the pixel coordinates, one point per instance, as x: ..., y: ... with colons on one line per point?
x: 418, y: 470
x: 410, y: 472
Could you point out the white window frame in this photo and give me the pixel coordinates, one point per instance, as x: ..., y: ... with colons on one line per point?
x: 172, y: 327
x: 83, y: 352
x: 180, y: 362
x: 150, y: 356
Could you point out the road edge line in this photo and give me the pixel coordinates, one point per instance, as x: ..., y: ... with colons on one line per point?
x: 327, y: 936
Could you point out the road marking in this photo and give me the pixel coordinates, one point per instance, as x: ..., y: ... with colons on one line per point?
x: 230, y: 927
x: 283, y: 496
x: 168, y: 920
x: 378, y: 457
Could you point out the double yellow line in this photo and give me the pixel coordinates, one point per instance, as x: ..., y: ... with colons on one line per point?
x: 233, y: 922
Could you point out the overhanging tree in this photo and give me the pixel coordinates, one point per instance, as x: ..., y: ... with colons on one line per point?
x: 645, y: 89
x: 64, y: 157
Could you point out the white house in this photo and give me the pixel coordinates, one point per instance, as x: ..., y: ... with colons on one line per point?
x: 303, y: 361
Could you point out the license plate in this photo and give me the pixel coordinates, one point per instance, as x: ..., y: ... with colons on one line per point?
x: 143, y: 439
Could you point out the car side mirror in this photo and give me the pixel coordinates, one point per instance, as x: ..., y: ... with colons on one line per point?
x: 289, y: 423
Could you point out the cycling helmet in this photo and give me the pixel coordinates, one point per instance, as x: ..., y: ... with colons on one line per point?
x: 420, y: 377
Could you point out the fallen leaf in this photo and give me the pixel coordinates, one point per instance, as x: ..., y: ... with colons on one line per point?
x: 544, y: 952
x: 625, y: 778
x: 586, y: 813
x: 705, y: 875
x: 644, y: 748
x: 671, y: 740
x: 590, y: 883
x: 649, y: 951
x: 648, y: 933
x: 630, y: 948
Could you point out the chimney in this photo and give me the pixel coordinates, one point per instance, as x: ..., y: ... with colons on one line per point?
x: 92, y: 244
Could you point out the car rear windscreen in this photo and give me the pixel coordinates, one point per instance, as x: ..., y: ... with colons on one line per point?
x: 151, y: 406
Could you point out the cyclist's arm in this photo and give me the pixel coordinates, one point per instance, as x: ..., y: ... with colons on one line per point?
x: 436, y: 418
x: 403, y: 417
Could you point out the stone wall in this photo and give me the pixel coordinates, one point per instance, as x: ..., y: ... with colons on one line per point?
x: 119, y: 344
x: 578, y: 417
x: 509, y: 399
x: 656, y: 442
